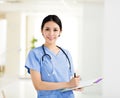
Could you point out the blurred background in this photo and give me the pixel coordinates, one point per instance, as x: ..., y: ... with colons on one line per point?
x: 90, y: 33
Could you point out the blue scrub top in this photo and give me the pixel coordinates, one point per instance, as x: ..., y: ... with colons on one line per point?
x: 55, y: 69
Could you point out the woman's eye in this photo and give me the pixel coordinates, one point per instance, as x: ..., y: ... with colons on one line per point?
x: 55, y: 30
x: 47, y: 29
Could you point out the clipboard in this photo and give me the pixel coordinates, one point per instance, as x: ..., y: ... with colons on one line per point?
x: 84, y: 84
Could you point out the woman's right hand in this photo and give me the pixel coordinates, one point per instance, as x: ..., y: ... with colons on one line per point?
x: 74, y: 82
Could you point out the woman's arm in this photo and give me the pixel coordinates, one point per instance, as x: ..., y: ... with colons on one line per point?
x: 43, y: 85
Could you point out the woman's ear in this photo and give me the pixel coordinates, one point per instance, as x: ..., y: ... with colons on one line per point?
x: 60, y: 34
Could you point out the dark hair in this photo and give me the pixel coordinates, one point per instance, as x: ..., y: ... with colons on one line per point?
x: 53, y: 18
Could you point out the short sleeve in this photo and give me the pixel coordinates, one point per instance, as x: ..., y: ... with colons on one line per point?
x: 32, y: 62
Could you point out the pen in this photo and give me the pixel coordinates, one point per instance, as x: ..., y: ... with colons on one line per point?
x: 98, y: 80
x: 74, y: 75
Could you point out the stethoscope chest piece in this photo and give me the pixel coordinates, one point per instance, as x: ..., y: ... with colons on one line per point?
x: 51, y: 73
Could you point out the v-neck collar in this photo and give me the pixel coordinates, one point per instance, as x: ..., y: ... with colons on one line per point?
x: 51, y: 52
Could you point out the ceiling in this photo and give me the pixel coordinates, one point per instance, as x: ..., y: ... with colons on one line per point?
x: 39, y: 1
x: 42, y: 5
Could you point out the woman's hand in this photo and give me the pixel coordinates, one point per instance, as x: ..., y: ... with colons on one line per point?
x: 79, y: 89
x: 74, y: 82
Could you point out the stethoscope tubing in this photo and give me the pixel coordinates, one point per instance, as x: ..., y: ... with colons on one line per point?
x: 45, y: 54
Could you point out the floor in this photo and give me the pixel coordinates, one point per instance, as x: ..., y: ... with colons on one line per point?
x: 23, y: 88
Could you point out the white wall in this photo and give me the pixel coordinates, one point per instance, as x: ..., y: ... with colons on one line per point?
x: 90, y: 44
x: 111, y: 88
x: 3, y: 31
x: 13, y: 44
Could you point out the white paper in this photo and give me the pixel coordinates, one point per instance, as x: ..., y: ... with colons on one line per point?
x: 84, y: 84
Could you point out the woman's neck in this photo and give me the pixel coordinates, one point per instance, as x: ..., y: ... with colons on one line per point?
x: 52, y: 47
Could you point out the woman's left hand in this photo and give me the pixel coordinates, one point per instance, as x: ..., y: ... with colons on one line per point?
x: 78, y: 89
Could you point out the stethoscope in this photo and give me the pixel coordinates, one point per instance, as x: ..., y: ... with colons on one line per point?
x: 47, y: 55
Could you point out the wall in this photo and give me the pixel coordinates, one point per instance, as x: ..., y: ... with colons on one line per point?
x: 3, y: 31
x: 90, y: 44
x: 111, y: 88
x: 13, y: 44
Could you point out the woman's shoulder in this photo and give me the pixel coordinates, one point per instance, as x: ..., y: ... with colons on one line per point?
x: 37, y: 50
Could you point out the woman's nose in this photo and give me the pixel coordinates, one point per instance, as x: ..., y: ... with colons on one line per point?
x: 51, y: 32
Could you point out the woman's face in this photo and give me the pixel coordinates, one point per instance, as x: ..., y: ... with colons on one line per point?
x: 51, y: 32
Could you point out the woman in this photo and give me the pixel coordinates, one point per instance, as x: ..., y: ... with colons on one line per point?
x: 50, y: 66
